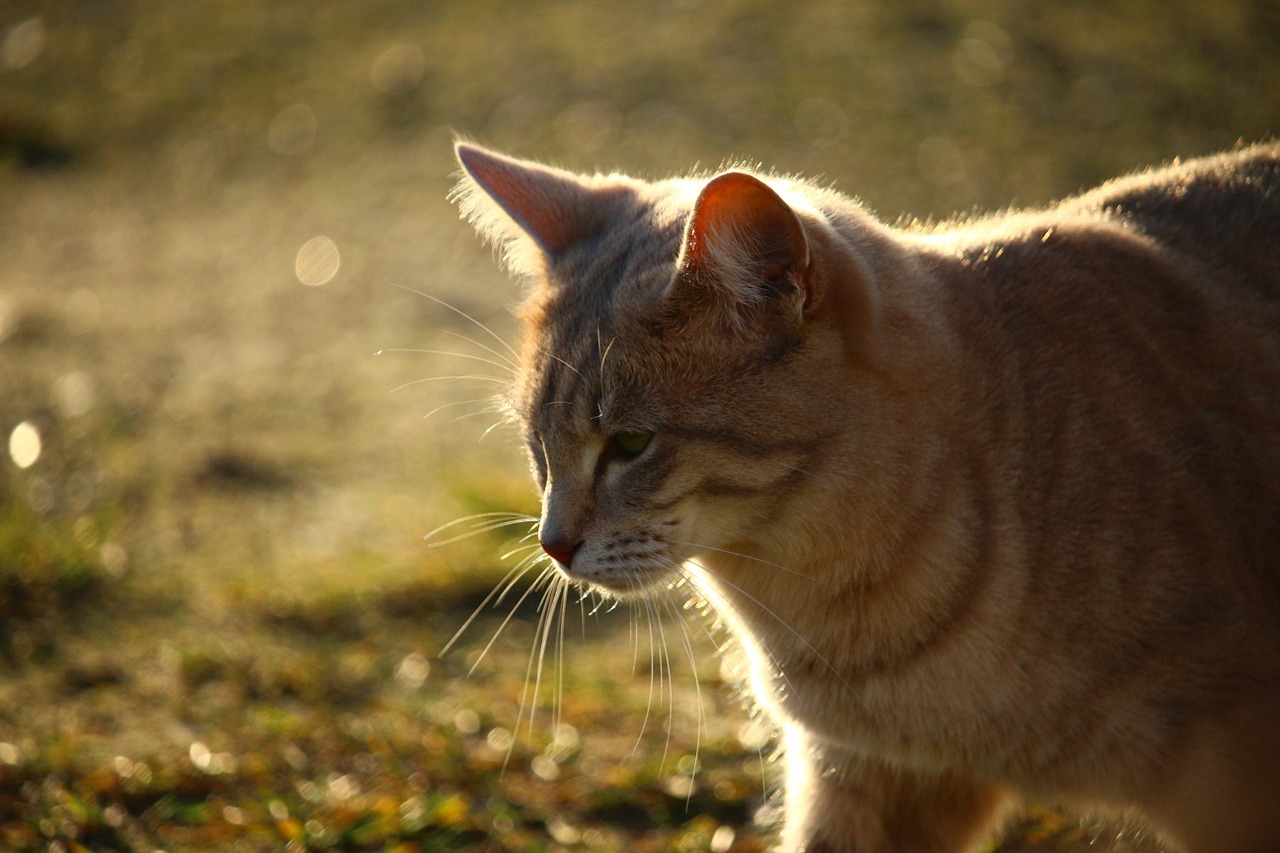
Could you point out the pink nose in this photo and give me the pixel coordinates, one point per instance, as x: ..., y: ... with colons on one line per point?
x: 560, y: 549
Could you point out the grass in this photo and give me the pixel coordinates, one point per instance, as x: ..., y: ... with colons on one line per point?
x: 219, y: 623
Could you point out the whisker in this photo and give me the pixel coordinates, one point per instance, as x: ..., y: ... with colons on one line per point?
x: 816, y: 475
x: 557, y: 705
x: 648, y: 707
x: 776, y: 617
x: 524, y: 691
x: 481, y: 528
x: 511, y: 364
x: 546, y: 618
x: 562, y: 361
x: 490, y: 515
x: 515, y: 551
x: 475, y: 376
x: 485, y: 434
x: 506, y: 368
x: 605, y: 355
x: 753, y: 559
x: 664, y: 671
x: 533, y: 586
x: 529, y: 561
x: 512, y: 576
x: 462, y: 314
x: 777, y: 670
x: 475, y: 414
x: 697, y: 688
x: 444, y: 406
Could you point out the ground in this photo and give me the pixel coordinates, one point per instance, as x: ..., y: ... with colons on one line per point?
x: 224, y: 440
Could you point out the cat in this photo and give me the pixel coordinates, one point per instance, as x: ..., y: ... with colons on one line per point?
x: 992, y: 506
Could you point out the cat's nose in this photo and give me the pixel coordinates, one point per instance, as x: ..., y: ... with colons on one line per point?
x: 560, y: 548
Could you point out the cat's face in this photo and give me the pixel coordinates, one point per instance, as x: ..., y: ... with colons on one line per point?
x: 666, y: 374
x: 647, y: 450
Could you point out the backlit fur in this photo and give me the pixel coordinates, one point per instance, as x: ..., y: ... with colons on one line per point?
x: 993, y: 507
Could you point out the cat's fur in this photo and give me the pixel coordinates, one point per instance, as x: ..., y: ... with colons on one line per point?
x: 993, y: 507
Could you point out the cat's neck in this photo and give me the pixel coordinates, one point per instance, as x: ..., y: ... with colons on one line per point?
x: 864, y: 566
x: 884, y: 551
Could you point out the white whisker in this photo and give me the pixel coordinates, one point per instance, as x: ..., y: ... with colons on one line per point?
x: 664, y: 672
x: 562, y: 361
x: 474, y: 414
x: 485, y: 434
x: 486, y: 515
x: 505, y: 368
x: 517, y: 550
x: 509, y: 578
x: 701, y: 723
x: 529, y: 561
x: 817, y: 476
x: 533, y: 586
x: 648, y: 708
x: 777, y: 618
x: 462, y: 314
x: 557, y: 706
x: 753, y: 559
x: 510, y: 364
x: 480, y: 528
x: 488, y: 410
x: 473, y: 376
x: 604, y: 357
x: 546, y: 618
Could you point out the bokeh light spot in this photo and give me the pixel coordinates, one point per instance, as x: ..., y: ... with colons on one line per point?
x: 73, y: 394
x: 23, y: 43
x: 317, y: 262
x: 24, y: 444
x: 292, y: 130
x: 398, y: 69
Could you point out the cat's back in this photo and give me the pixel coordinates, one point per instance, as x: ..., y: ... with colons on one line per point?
x: 1214, y: 221
x: 1123, y: 354
x: 1219, y: 214
x: 1177, y: 269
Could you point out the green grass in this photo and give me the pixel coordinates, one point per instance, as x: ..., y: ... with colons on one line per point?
x: 219, y: 622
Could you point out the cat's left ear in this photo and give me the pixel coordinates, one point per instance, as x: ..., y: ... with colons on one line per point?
x: 743, y: 243
x: 514, y: 203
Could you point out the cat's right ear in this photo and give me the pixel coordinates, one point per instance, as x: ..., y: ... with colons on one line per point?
x: 744, y: 252
x: 513, y: 203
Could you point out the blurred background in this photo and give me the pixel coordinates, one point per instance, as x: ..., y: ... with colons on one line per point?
x: 220, y: 624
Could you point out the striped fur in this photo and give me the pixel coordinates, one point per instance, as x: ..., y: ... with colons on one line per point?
x: 993, y: 507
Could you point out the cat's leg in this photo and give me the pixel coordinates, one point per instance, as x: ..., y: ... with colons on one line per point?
x: 1224, y: 796
x: 839, y: 803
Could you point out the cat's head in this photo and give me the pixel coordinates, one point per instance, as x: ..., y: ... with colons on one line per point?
x: 681, y: 350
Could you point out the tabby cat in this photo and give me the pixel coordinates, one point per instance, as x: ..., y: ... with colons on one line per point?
x: 993, y: 507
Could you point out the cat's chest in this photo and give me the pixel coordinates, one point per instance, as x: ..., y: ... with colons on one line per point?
x: 939, y: 711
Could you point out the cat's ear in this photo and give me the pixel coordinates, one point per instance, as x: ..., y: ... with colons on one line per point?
x: 745, y: 244
x: 511, y: 202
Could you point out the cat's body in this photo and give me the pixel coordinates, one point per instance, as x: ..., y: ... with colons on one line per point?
x: 994, y: 510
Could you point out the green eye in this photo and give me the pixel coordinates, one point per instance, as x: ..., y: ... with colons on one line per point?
x: 631, y: 444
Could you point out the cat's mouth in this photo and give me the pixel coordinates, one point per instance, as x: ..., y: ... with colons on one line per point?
x: 621, y: 564
x: 621, y: 581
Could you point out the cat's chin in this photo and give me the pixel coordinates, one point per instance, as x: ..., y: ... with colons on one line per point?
x: 631, y: 583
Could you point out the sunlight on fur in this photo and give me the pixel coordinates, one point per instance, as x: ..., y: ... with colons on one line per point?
x: 992, y: 508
